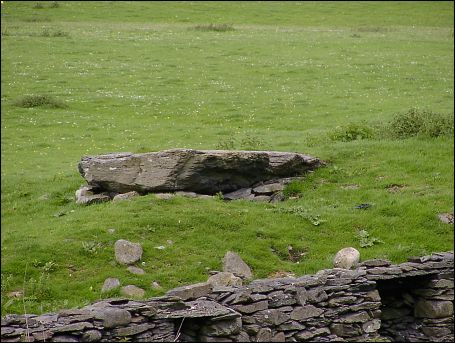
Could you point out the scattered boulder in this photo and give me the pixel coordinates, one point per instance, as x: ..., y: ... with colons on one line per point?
x: 125, y: 196
x: 109, y: 284
x: 222, y: 279
x: 346, y: 258
x: 136, y: 270
x: 132, y: 291
x: 127, y: 252
x: 234, y: 264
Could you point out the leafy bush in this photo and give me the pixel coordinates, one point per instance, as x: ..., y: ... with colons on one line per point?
x: 91, y: 247
x: 351, y: 132
x: 38, y: 6
x: 29, y: 101
x: 366, y: 241
x: 215, y: 27
x: 420, y: 123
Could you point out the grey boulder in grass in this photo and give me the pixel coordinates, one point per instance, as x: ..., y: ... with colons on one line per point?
x: 127, y: 252
x: 200, y: 171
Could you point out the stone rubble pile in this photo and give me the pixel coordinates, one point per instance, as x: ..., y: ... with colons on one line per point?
x: 375, y: 301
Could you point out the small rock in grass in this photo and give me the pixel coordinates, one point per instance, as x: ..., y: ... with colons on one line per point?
x: 132, y: 291
x: 44, y: 197
x: 363, y: 206
x: 346, y: 258
x: 127, y: 252
x: 15, y: 294
x: 156, y: 285
x: 136, y: 270
x: 353, y: 186
x: 109, y: 284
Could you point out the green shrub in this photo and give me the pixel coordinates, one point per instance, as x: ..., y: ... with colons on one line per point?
x: 351, y: 132
x: 214, y: 27
x: 365, y: 240
x: 29, y: 101
x: 38, y: 6
x: 420, y: 123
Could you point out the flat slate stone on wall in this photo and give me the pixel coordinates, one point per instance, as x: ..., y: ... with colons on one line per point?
x: 412, y: 301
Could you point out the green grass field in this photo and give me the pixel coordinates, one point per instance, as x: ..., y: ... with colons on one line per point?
x: 286, y: 76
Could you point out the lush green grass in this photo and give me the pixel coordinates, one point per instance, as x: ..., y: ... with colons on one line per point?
x: 138, y: 76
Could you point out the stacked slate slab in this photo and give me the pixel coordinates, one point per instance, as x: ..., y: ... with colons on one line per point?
x: 411, y: 301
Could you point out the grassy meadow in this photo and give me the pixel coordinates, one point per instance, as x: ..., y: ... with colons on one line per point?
x: 329, y: 79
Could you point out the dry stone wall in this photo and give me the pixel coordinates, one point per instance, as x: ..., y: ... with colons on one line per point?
x: 412, y: 301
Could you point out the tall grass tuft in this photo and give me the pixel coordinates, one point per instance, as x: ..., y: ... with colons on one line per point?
x: 29, y: 101
x: 214, y: 27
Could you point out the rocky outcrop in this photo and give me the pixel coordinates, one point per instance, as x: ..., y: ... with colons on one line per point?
x: 378, y: 301
x: 199, y: 171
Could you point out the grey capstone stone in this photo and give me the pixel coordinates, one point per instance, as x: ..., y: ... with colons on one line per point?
x: 200, y: 171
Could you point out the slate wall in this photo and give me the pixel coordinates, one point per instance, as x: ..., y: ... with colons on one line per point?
x: 412, y: 301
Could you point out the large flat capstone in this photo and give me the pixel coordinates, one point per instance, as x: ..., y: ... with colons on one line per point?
x: 200, y: 171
